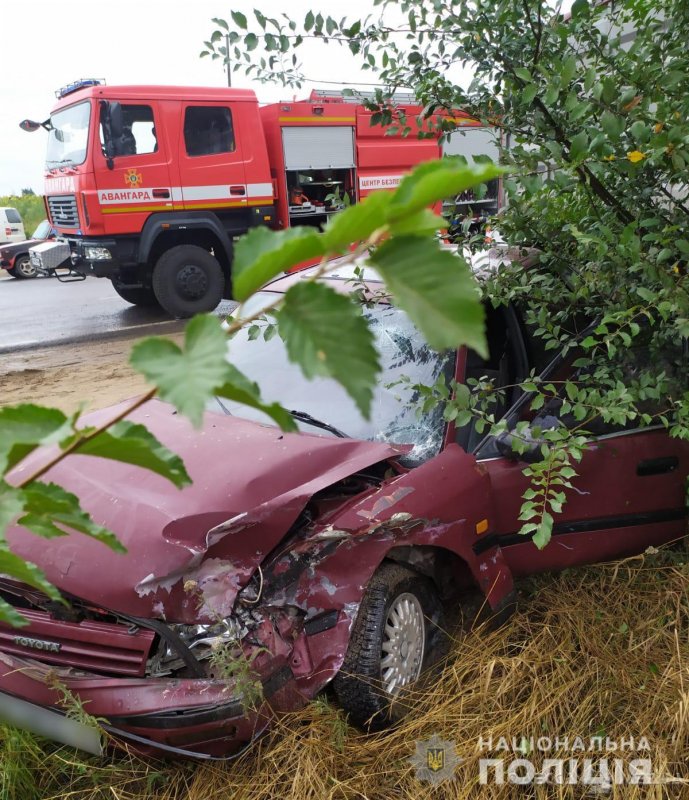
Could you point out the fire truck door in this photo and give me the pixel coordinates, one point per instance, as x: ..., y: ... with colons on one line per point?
x: 211, y: 157
x: 137, y: 179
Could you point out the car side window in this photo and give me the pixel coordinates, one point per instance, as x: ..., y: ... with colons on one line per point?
x: 497, y: 375
x: 208, y: 130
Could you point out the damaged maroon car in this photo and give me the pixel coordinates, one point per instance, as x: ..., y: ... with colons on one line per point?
x: 296, y: 560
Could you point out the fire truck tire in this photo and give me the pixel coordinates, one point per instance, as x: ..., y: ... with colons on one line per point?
x: 188, y: 280
x: 138, y: 296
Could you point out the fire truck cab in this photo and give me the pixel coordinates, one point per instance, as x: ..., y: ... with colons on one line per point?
x: 150, y: 185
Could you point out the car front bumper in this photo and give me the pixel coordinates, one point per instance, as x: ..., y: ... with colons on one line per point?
x: 194, y: 718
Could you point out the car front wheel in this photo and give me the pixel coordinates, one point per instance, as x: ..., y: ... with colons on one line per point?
x: 394, y: 637
x: 23, y: 268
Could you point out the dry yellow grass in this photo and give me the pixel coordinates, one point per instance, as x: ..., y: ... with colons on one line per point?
x: 603, y: 650
x: 597, y: 651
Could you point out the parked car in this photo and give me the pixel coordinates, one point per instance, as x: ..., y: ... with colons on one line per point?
x: 15, y: 257
x: 11, y: 225
x: 296, y: 560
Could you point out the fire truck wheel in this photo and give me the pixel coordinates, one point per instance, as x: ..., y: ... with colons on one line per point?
x: 188, y: 280
x: 139, y: 296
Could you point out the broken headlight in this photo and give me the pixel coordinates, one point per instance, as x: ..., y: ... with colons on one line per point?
x: 202, y: 640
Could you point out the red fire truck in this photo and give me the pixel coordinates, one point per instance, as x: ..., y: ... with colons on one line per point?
x: 149, y: 185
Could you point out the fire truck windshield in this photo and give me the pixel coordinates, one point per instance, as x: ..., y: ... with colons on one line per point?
x: 68, y: 137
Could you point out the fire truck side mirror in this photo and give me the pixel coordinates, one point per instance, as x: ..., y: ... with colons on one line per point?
x: 29, y: 125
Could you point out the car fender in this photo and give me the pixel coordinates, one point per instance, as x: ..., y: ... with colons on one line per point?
x: 441, y: 505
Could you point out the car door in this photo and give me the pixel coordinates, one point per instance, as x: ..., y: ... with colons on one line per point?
x: 629, y: 493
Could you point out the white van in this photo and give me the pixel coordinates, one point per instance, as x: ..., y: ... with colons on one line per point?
x: 11, y: 226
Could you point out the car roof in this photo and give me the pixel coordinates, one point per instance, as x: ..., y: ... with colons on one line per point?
x: 483, y: 263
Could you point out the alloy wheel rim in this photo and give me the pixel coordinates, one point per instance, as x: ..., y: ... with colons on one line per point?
x: 26, y: 268
x: 404, y: 641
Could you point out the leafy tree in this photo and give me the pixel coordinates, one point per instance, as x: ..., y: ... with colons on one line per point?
x: 314, y: 321
x: 594, y: 115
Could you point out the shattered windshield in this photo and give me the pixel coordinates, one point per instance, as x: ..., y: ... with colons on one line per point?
x: 403, y: 354
x: 68, y: 136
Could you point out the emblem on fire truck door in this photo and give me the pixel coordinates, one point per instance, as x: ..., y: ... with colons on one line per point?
x: 133, y: 178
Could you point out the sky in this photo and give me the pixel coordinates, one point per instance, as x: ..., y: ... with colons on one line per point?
x: 46, y: 45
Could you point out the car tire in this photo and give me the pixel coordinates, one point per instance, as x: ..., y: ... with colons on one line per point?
x: 188, y: 280
x: 23, y: 268
x: 137, y: 296
x: 395, y: 636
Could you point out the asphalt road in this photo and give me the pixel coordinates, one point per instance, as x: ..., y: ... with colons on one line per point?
x: 43, y: 311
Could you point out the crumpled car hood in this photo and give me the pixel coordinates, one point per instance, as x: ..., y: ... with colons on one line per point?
x: 189, y: 551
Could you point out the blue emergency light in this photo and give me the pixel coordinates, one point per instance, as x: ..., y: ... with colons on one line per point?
x: 75, y: 86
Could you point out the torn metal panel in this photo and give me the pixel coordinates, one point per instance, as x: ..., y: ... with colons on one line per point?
x: 237, y: 511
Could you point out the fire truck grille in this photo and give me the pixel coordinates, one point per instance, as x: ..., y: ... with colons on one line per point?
x: 63, y: 211
x: 105, y: 647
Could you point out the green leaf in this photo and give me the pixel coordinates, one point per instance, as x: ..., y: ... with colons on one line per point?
x: 25, y: 427
x: 11, y: 505
x: 551, y: 95
x: 10, y: 616
x: 250, y: 42
x: 356, y: 223
x: 569, y: 69
x: 528, y: 94
x: 242, y: 390
x: 436, y: 180
x: 612, y: 124
x: 239, y: 19
x: 186, y: 378
x: 24, y: 571
x: 135, y: 444
x: 48, y: 505
x: 422, y: 223
x: 579, y: 145
x: 523, y: 73
x: 327, y: 335
x: 544, y: 531
x: 308, y: 21
x: 221, y: 23
x: 262, y: 254
x: 436, y: 288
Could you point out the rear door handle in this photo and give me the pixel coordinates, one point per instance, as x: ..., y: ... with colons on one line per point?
x: 237, y: 190
x: 657, y: 466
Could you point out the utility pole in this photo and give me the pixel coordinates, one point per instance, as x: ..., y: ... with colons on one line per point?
x: 227, y: 59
